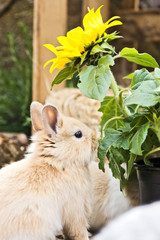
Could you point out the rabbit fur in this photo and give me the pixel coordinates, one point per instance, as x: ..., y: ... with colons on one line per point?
x: 49, y: 190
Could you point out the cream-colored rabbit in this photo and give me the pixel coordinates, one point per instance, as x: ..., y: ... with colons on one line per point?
x: 107, y: 199
x: 49, y: 190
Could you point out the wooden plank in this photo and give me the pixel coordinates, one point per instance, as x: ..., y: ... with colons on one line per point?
x: 128, y: 4
x: 140, y: 26
x: 96, y: 4
x: 50, y: 20
x: 131, y: 4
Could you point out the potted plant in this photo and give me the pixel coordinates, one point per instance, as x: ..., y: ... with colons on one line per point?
x: 130, y: 124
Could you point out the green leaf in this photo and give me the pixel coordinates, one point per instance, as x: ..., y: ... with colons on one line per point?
x: 137, y: 119
x: 123, y: 141
x: 96, y: 49
x: 139, y: 138
x: 156, y: 125
x: 130, y: 76
x: 107, y: 46
x: 140, y: 76
x: 116, y: 158
x: 113, y: 139
x: 83, y: 57
x: 95, y: 81
x: 130, y: 164
x: 110, y: 109
x: 145, y: 95
x: 150, y: 141
x: 144, y: 59
x: 111, y: 135
x: 65, y: 74
x: 107, y: 60
x: 143, y: 99
x: 115, y: 163
x: 112, y: 36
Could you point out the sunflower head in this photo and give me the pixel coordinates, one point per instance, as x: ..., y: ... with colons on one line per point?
x: 79, y: 46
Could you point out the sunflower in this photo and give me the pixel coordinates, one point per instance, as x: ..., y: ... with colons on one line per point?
x: 78, y: 40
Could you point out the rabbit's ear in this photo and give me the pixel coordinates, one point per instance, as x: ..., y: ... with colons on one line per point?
x: 51, y: 118
x: 36, y: 115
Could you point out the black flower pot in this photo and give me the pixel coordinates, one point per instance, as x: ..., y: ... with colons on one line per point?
x: 149, y: 180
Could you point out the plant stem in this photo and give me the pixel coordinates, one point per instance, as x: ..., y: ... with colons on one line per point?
x: 116, y: 92
x: 117, y: 56
x: 110, y: 120
x: 114, y: 86
x: 136, y: 110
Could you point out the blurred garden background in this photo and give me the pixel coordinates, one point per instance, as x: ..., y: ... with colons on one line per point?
x: 26, y: 25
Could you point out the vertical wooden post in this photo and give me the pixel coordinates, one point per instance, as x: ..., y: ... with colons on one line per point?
x: 50, y: 20
x: 136, y: 5
x: 96, y: 4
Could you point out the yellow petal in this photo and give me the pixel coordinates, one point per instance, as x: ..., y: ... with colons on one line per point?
x: 111, y: 19
x: 89, y: 20
x: 75, y: 33
x: 98, y: 16
x: 94, y: 33
x: 93, y: 19
x: 69, y: 53
x: 70, y: 44
x: 114, y: 23
x: 75, y: 38
x: 87, y: 38
x: 52, y: 60
x: 61, y: 62
x: 53, y: 66
x: 51, y: 48
x: 101, y: 30
x: 64, y: 41
x: 60, y: 48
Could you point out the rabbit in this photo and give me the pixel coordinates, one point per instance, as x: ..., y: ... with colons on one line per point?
x: 107, y: 199
x: 49, y: 190
x: 140, y: 223
x: 108, y: 202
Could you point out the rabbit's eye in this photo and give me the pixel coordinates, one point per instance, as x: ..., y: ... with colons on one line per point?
x: 78, y: 134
